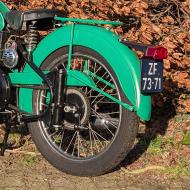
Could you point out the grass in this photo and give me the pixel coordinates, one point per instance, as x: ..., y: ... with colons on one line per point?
x: 29, y: 160
x: 178, y: 171
x: 14, y: 137
x: 181, y: 169
x: 160, y: 145
x: 186, y: 138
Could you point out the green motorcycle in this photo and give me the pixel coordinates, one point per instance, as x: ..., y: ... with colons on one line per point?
x: 81, y: 89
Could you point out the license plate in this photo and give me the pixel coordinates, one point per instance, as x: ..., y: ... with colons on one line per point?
x: 151, y: 76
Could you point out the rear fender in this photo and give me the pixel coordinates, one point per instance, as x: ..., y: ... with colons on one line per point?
x: 123, y: 61
x: 2, y: 22
x: 3, y: 8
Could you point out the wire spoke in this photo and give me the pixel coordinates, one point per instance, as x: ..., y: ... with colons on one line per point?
x: 62, y: 138
x: 94, y: 138
x: 110, y: 113
x: 54, y: 133
x: 99, y: 135
x: 91, y: 138
x: 69, y: 125
x: 96, y: 82
x: 57, y: 137
x: 100, y: 93
x: 82, y: 147
x: 74, y: 146
x: 78, y: 142
x: 91, y: 144
x: 102, y: 102
x: 101, y: 117
x: 103, y: 98
x: 71, y: 142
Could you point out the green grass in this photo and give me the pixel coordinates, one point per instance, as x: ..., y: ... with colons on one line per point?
x: 15, y: 137
x: 178, y: 171
x: 160, y: 145
x: 186, y: 138
x: 29, y: 160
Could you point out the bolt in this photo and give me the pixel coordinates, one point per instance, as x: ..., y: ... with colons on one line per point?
x: 76, y: 115
x: 66, y: 109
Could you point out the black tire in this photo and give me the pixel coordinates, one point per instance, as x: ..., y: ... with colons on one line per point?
x: 114, y: 153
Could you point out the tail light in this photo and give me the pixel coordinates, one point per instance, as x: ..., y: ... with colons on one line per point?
x: 156, y: 52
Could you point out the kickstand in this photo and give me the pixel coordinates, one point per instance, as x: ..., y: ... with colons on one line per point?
x: 4, y: 144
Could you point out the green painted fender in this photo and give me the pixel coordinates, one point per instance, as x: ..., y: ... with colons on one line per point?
x: 123, y: 61
x: 2, y: 22
x: 3, y: 10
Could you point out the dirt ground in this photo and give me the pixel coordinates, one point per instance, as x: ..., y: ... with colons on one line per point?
x: 19, y: 173
x: 156, y: 163
x: 159, y: 160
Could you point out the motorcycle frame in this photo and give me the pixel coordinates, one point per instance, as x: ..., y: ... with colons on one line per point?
x: 79, y: 33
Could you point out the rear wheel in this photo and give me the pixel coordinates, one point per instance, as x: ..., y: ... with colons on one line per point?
x: 96, y: 133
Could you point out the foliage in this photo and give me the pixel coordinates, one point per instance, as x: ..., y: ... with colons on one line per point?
x: 162, y: 22
x: 186, y: 138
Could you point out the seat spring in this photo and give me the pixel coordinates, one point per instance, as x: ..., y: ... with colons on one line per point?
x: 31, y: 38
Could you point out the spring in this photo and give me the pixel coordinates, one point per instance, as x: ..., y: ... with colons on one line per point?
x: 31, y: 38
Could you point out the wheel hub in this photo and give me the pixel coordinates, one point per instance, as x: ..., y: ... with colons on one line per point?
x: 76, y: 109
x: 68, y: 109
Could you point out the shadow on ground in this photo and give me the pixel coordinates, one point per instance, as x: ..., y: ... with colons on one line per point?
x: 158, y: 124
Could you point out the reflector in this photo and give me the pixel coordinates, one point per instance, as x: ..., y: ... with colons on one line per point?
x: 157, y: 52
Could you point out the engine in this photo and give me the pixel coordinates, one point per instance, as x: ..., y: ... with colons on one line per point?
x: 4, y: 90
